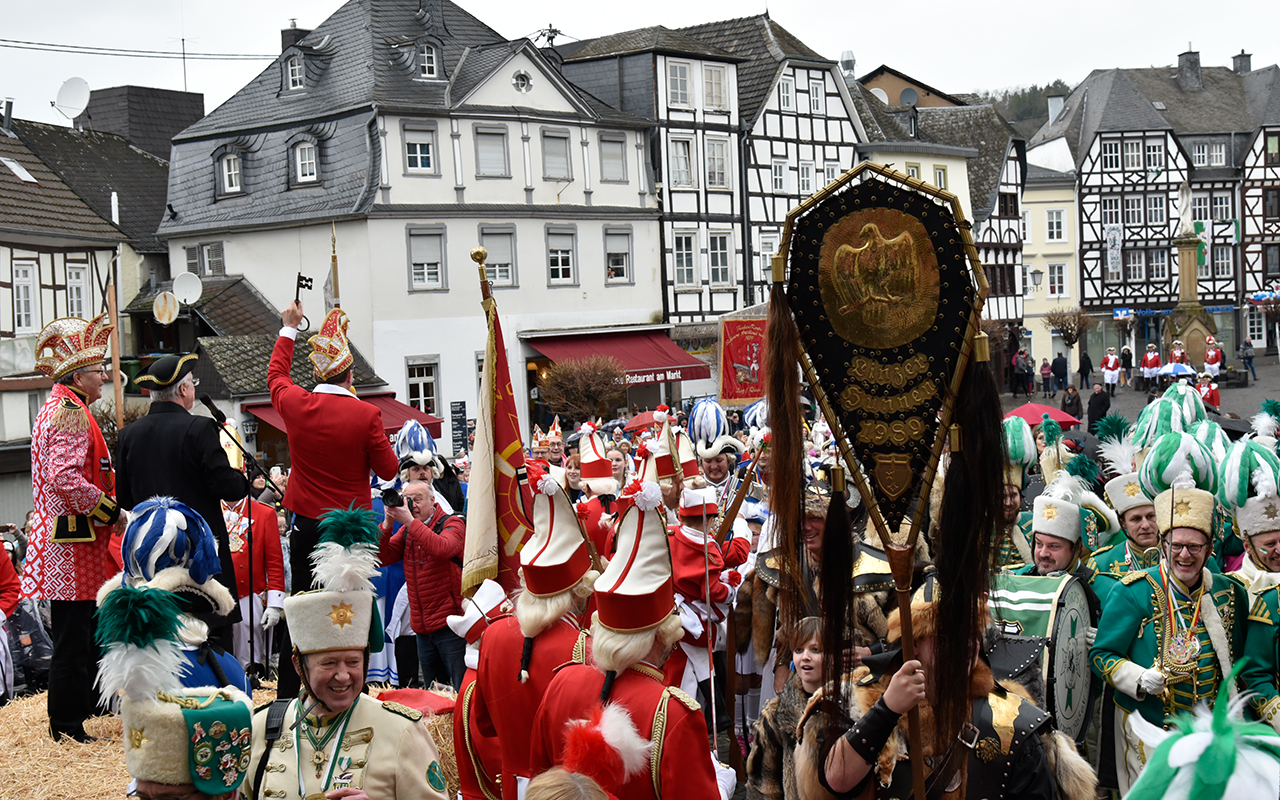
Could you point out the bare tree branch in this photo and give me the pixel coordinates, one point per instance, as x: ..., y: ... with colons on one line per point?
x: 1070, y: 323
x: 584, y: 388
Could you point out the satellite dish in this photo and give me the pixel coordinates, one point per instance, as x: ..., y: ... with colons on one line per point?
x: 188, y: 287
x: 909, y: 97
x: 881, y: 95
x: 72, y: 97
x: 165, y: 308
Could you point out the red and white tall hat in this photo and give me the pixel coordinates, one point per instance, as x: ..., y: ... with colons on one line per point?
x: 478, y: 611
x: 659, y: 463
x: 699, y: 503
x: 596, y: 468
x: 556, y: 556
x: 330, y: 348
x: 538, y: 439
x: 635, y: 593
x: 553, y: 432
x: 688, y: 458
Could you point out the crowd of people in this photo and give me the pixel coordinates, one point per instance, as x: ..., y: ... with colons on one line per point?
x: 654, y: 645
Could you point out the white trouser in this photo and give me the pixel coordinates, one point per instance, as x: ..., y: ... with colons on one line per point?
x: 241, y: 630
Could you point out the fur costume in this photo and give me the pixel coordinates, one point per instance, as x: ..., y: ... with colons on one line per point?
x: 771, y: 764
x: 872, y: 605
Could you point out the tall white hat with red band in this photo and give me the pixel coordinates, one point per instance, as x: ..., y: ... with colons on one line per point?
x: 596, y: 468
x: 699, y: 503
x: 688, y: 457
x: 478, y: 611
x: 635, y: 593
x: 556, y: 556
x: 659, y: 462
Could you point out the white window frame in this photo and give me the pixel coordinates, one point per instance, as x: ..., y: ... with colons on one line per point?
x: 420, y: 274
x: 296, y: 73
x: 778, y: 170
x: 1133, y: 210
x: 940, y: 176
x: 1110, y: 210
x: 1060, y: 279
x: 1200, y: 208
x: 1255, y: 327
x: 817, y: 97
x: 787, y: 94
x: 1156, y: 210
x: 77, y: 288
x: 230, y: 174
x: 714, y: 93
x: 1217, y: 155
x: 414, y: 141
x: 831, y: 171
x: 610, y: 140
x: 615, y: 257
x: 560, y: 259
x: 1027, y: 288
x: 557, y: 138
x: 1223, y: 261
x: 1110, y: 151
x: 1220, y: 206
x: 804, y: 177
x: 678, y: 84
x: 684, y: 260
x: 913, y: 170
x: 26, y: 296
x: 1135, y: 266
x: 306, y: 162
x: 1155, y: 155
x: 720, y: 258
x: 206, y: 258
x: 682, y: 154
x: 1199, y: 155
x: 1110, y: 274
x: 1157, y: 265
x: 1055, y: 229
x: 1024, y: 227
x: 1132, y: 155
x: 481, y: 133
x: 420, y: 388
x: 717, y: 163
x: 503, y: 274
x: 769, y: 243
x: 427, y: 61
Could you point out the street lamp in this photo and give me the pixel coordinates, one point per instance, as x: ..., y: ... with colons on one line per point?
x: 1037, y: 275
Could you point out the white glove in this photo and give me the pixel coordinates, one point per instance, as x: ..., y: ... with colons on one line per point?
x: 726, y: 778
x: 1090, y: 634
x: 1151, y: 681
x: 270, y: 617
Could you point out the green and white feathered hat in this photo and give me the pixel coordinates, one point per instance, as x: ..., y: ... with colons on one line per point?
x: 173, y: 735
x: 1212, y: 436
x: 1179, y: 475
x: 1020, y: 451
x: 1055, y: 454
x: 1155, y: 420
x: 1208, y: 755
x: 1247, y: 482
x: 341, y: 613
x: 1119, y: 454
x: 1188, y: 399
x: 1068, y: 508
x: 1266, y: 423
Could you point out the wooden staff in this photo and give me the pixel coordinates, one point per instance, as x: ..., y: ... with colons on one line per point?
x: 113, y: 314
x: 731, y: 513
x: 333, y: 265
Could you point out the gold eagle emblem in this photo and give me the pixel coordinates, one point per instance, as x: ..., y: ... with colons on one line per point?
x: 876, y: 274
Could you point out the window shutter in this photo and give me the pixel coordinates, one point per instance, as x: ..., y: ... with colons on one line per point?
x: 491, y: 154
x: 499, y: 247
x: 193, y: 259
x: 617, y: 243
x: 213, y: 259
x: 612, y: 160
x: 425, y: 248
x: 560, y: 241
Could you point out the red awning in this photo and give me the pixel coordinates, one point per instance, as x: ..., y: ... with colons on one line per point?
x: 647, y: 356
x: 394, y: 414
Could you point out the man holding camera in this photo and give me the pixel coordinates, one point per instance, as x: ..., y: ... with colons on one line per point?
x: 429, y: 541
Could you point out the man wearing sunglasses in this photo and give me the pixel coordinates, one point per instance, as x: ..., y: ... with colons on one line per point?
x: 175, y: 453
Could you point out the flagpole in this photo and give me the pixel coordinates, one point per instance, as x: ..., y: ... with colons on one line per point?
x: 333, y: 265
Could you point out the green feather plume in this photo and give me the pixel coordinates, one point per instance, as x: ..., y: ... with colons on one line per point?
x: 138, y: 617
x: 349, y: 527
x: 1051, y: 429
x: 1084, y: 469
x: 1113, y: 427
x: 1271, y: 407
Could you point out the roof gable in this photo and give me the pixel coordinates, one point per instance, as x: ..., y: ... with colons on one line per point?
x: 656, y: 39
x: 486, y: 77
x: 983, y: 129
x: 885, y: 69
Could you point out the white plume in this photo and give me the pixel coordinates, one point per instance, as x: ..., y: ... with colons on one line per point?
x: 620, y: 732
x: 339, y: 569
x: 1264, y: 424
x: 138, y: 671
x: 1118, y: 455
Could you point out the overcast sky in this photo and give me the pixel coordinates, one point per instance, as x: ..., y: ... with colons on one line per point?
x: 955, y: 47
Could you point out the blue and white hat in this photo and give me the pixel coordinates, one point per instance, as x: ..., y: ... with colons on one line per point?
x: 414, y: 445
x: 709, y: 430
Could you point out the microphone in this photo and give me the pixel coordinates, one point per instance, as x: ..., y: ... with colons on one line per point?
x: 214, y: 410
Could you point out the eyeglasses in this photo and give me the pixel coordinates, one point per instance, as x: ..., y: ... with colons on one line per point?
x: 1192, y: 549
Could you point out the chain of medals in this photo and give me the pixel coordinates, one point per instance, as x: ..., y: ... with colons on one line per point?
x: 237, y: 523
x: 333, y: 733
x: 1181, y: 651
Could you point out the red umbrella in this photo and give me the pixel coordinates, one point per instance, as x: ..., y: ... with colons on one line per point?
x: 1034, y: 414
x: 640, y: 421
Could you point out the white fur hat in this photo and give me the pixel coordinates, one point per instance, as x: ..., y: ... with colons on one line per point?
x: 342, y: 614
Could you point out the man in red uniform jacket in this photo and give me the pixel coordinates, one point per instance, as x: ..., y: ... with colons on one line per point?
x: 261, y: 602
x: 635, y: 599
x: 335, y: 440
x: 1212, y: 357
x: 478, y: 756
x: 1150, y: 366
x: 520, y: 654
x: 429, y: 541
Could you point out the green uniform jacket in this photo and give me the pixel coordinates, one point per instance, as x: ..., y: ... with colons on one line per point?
x: 1008, y: 553
x: 1111, y: 563
x: 1131, y: 636
x: 1262, y: 646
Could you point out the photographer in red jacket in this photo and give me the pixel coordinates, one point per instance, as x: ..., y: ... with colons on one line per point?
x: 430, y: 543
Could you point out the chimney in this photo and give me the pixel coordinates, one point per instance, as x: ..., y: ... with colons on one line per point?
x: 1189, y: 71
x: 8, y: 115
x: 292, y: 35
x: 1055, y: 105
x: 1242, y: 63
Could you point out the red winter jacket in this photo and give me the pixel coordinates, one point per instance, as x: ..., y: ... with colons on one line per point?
x: 432, y: 567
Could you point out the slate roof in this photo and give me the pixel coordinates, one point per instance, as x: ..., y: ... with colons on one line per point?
x: 982, y: 128
x: 766, y: 45
x: 94, y: 164
x: 146, y: 116
x: 356, y: 57
x: 656, y: 39
x: 242, y: 361
x: 1115, y: 100
x: 230, y: 304
x: 1039, y: 174
x: 48, y: 208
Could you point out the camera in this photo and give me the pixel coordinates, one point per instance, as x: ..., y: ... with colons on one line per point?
x: 392, y: 498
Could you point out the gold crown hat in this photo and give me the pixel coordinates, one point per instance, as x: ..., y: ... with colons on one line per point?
x: 69, y: 343
x: 330, y: 348
x: 596, y: 469
x: 1178, y: 473
x: 1247, y: 487
x: 635, y: 592
x: 556, y: 557
x: 173, y: 734
x: 341, y: 613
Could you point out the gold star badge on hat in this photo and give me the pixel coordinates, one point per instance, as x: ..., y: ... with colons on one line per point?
x: 1131, y: 488
x: 1181, y: 508
x: 342, y: 615
x: 1050, y: 512
x: 137, y: 738
x: 1271, y: 511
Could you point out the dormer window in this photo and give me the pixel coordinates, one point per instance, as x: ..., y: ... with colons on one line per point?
x: 427, y: 61
x: 297, y: 74
x: 229, y: 174
x: 305, y: 163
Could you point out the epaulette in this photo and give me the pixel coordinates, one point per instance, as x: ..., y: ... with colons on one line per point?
x: 1102, y: 550
x: 1132, y: 577
x: 71, y: 417
x: 684, y: 698
x: 1259, y: 612
x: 404, y: 711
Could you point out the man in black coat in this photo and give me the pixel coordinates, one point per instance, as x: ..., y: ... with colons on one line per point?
x: 172, y: 452
x: 1059, y: 369
x: 1099, y: 405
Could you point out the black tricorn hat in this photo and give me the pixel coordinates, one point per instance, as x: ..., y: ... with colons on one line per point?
x: 166, y: 371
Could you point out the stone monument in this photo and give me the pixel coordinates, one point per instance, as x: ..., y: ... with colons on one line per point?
x: 1188, y: 321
